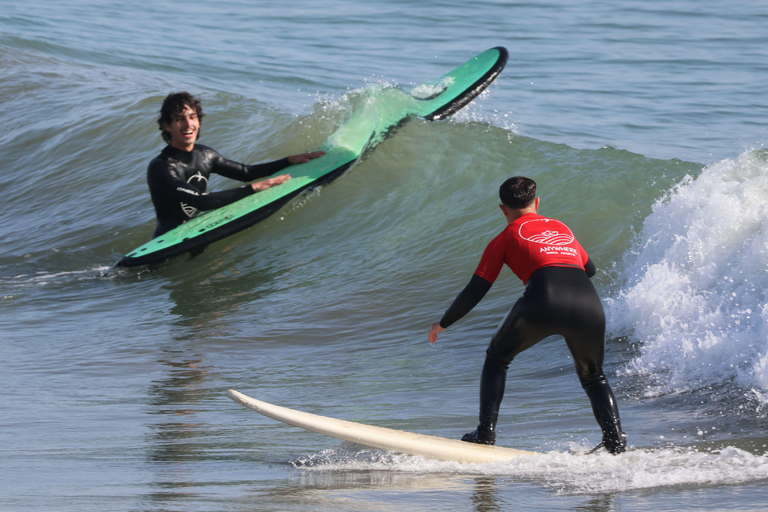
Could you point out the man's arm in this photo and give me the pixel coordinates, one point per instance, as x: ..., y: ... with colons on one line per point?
x: 241, y: 172
x: 270, y: 182
x: 204, y: 201
x: 168, y: 188
x: 469, y: 297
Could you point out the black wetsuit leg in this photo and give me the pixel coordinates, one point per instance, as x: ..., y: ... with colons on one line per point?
x: 557, y: 301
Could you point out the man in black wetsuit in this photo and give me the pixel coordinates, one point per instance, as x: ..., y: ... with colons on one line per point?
x: 178, y: 176
x: 559, y: 299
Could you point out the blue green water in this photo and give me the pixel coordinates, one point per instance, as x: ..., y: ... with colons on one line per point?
x: 642, y: 122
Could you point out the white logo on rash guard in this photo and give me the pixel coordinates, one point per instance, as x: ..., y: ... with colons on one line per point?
x: 195, y: 180
x: 546, y: 231
x: 189, y: 211
x: 198, y: 180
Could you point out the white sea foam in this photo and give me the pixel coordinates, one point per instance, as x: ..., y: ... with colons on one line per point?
x: 432, y: 89
x: 575, y: 472
x: 695, y: 293
x: 45, y: 277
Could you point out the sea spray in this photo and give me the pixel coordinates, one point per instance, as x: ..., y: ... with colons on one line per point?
x: 694, y: 299
x: 573, y: 472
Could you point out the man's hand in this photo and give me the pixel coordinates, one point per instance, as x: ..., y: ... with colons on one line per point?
x: 269, y: 183
x: 434, y: 331
x: 304, y: 157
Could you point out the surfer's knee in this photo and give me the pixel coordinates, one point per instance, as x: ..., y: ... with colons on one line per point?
x: 496, y: 358
x: 589, y: 377
x: 587, y: 361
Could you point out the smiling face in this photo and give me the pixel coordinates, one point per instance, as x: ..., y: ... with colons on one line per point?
x: 184, y: 129
x: 181, y: 114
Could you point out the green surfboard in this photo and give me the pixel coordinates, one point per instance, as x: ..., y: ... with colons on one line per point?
x: 433, y: 100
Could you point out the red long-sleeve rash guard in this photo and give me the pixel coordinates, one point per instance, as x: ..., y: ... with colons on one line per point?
x: 526, y: 245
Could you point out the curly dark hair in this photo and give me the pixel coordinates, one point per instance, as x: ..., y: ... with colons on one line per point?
x: 173, y: 105
x: 517, y: 192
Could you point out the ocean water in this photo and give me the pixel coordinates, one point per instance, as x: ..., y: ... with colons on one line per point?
x: 644, y: 124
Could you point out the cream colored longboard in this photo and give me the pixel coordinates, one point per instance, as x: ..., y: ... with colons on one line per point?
x: 389, y: 439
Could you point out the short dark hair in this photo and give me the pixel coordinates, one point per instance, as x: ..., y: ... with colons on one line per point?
x: 517, y: 192
x: 173, y: 105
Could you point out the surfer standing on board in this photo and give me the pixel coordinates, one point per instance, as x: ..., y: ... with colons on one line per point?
x: 178, y: 176
x: 559, y: 299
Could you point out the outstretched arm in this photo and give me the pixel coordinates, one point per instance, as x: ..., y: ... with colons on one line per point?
x: 269, y: 183
x: 261, y: 170
x: 305, y: 157
x: 277, y: 180
x: 167, y: 188
x: 237, y: 171
x: 469, y: 297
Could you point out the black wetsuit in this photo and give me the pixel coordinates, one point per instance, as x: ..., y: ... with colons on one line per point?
x: 558, y: 300
x: 178, y: 181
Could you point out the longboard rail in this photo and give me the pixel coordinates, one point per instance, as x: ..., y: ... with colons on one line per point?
x: 399, y: 441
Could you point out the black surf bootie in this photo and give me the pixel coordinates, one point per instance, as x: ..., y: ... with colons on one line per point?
x: 615, y: 444
x: 607, y: 415
x: 483, y: 435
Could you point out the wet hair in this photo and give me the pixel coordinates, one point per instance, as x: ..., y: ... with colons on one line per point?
x: 173, y: 105
x: 517, y: 192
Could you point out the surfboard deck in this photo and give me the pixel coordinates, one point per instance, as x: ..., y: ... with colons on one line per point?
x: 433, y: 100
x: 398, y: 441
